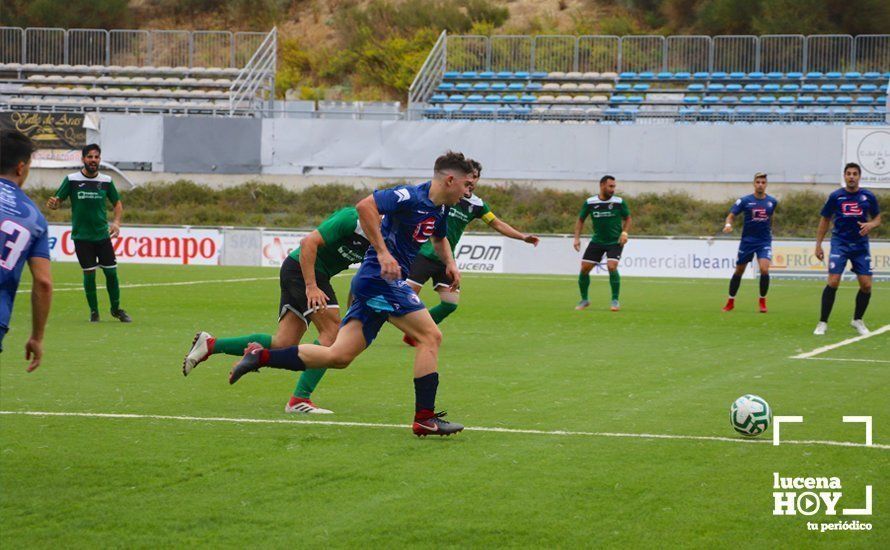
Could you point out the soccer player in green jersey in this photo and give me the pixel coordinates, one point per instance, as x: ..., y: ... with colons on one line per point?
x: 611, y: 220
x: 427, y: 264
x: 306, y: 296
x: 90, y: 230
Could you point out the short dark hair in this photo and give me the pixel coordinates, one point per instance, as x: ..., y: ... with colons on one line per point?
x: 477, y: 166
x: 853, y: 165
x: 91, y: 147
x: 606, y: 178
x: 453, y: 160
x: 15, y: 147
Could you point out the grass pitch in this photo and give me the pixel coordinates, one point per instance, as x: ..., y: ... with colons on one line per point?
x: 516, y: 356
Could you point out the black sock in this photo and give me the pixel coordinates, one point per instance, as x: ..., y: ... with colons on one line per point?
x: 734, y: 284
x: 862, y: 299
x: 285, y: 358
x: 764, y: 284
x: 827, y: 302
x: 425, y: 392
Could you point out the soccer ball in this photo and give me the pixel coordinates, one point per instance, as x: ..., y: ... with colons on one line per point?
x: 750, y: 415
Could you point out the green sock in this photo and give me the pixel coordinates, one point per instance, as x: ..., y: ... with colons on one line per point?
x: 236, y: 345
x: 114, y: 288
x: 583, y: 284
x: 89, y: 288
x: 308, y: 380
x: 441, y: 311
x: 615, y: 283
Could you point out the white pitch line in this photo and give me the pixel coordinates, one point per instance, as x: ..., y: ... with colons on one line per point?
x: 177, y: 283
x: 469, y: 428
x: 830, y: 347
x: 841, y: 359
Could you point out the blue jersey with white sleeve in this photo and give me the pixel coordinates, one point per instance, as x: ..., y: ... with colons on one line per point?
x: 24, y: 234
x: 758, y: 218
x: 848, y: 209
x: 409, y: 219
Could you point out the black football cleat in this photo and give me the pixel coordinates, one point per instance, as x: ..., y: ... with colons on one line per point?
x: 249, y: 363
x: 121, y: 315
x: 94, y: 316
x: 434, y: 425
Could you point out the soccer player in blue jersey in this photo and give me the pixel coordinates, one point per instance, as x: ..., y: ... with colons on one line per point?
x: 412, y: 216
x: 24, y: 238
x: 757, y: 238
x: 850, y: 207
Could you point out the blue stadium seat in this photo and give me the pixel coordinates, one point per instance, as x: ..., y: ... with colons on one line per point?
x: 505, y: 112
x: 729, y: 99
x: 794, y: 75
x: 538, y: 75
x: 682, y: 75
x: 438, y: 98
x: 719, y: 75
x: 872, y: 75
x: 696, y: 87
x: 635, y: 99
x: 498, y: 87
x: 787, y: 100
x: 487, y: 109
x: 686, y: 111
x: 828, y: 87
x: 469, y: 74
x: 618, y: 99
x: 775, y: 75
x: 487, y: 75
x: 510, y: 98
x: 457, y: 98
x: 493, y: 98
x: 475, y: 98
x: 710, y: 99
x: 480, y: 86
x: 534, y: 86
x: 528, y: 98
x: 771, y: 88
x: 691, y: 99
x: 504, y: 75
x: 520, y: 110
x: 883, y: 89
x: 834, y: 75
x: 701, y: 75
x: 737, y: 75
x: 626, y: 75
x: 806, y: 100
x: 515, y: 87
x: 664, y: 75
x: 622, y: 87
x: 445, y: 87
x: 752, y: 87
x: 825, y: 100
x: 433, y: 111
x: 748, y: 99
x: 646, y: 75
x: 766, y: 99
x: 715, y: 87
x: 790, y: 87
x: 865, y: 99
x: 756, y: 75
x: 707, y: 112
x: 733, y: 87
x: 451, y: 75
x: 463, y: 87
x: 852, y: 75
x: 521, y: 74
x: 814, y: 75
x: 809, y: 88
x: 641, y: 87
x: 847, y: 88
x: 868, y: 88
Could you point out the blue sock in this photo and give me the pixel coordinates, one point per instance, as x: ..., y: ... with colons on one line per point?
x: 425, y: 392
x: 285, y: 358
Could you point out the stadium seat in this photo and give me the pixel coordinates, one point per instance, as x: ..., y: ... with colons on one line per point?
x: 510, y: 98
x: 646, y: 75
x: 868, y: 88
x: 640, y: 87
x: 528, y: 98
x: 847, y: 88
x: 581, y: 99
x: 828, y: 88
x: 610, y: 75
x: 451, y: 75
x: 635, y: 99
x: 710, y: 99
x: 733, y: 87
x: 872, y: 75
x: 475, y: 98
x: 457, y: 98
x: 546, y: 99
x: 534, y: 87
x: 521, y: 75
x: 775, y: 75
x: 498, y: 87
x: 771, y: 88
x: 569, y: 87
x: 621, y: 87
x: 445, y: 87
x: 664, y: 75
x: 683, y: 75
x: 719, y: 75
x: 756, y: 75
x: 605, y: 86
x: 574, y: 75
x: 587, y: 87
x: 748, y: 99
x: 618, y: 99
x: 469, y: 74
x: 696, y: 87
x: 787, y: 100
x: 809, y: 88
x: 766, y: 99
x: 556, y: 75
x: 463, y: 87
x: 729, y: 99
x: 715, y: 87
x: 853, y: 75
x: 538, y: 75
x: 794, y: 75
x: 504, y: 75
x: 806, y: 100
x: 834, y: 75
x: 752, y: 88
x: 825, y: 100
x: 814, y: 75
x: 563, y: 98
x: 864, y: 99
x: 480, y: 87
x: 551, y: 87
x: 691, y: 99
x: 737, y: 75
x: 790, y: 87
x: 493, y: 98
x: 701, y: 75
x: 438, y: 98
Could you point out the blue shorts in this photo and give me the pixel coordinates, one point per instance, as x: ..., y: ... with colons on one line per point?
x: 375, y: 300
x: 858, y: 255
x: 763, y: 250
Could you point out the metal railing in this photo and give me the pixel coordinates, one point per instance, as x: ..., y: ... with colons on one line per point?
x: 781, y: 53
x: 430, y: 74
x: 138, y: 48
x: 255, y: 83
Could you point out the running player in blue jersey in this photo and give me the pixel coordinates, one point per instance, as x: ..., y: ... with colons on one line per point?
x: 24, y: 238
x: 412, y: 216
x: 850, y: 207
x: 757, y: 238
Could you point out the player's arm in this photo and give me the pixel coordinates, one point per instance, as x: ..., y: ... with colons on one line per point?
x: 315, y: 297
x: 865, y: 227
x: 507, y: 230
x: 727, y: 225
x: 369, y: 219
x: 824, y: 224
x: 61, y: 194
x: 625, y: 227
x: 579, y: 225
x: 41, y: 298
x: 443, y: 251
x: 114, y: 228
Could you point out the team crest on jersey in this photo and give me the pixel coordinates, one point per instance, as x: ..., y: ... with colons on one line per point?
x: 851, y: 208
x: 759, y: 214
x: 424, y: 230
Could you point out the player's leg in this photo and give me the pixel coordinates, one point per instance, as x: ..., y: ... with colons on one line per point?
x: 744, y: 257
x: 613, y: 256
x: 89, y: 263
x: 763, y: 262
x: 108, y: 263
x: 419, y: 325
x: 448, y: 300
x: 828, y: 295
x: 326, y: 321
x: 862, y: 268
x: 593, y: 254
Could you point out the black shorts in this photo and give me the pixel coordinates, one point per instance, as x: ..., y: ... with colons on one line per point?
x: 424, y: 268
x: 595, y: 251
x: 293, y: 290
x: 93, y: 254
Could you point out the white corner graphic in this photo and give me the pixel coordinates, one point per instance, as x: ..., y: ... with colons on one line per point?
x: 777, y: 421
x: 863, y: 420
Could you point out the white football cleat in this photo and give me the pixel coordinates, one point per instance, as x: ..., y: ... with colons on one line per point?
x: 200, y: 352
x: 820, y: 328
x: 305, y: 406
x: 859, y: 326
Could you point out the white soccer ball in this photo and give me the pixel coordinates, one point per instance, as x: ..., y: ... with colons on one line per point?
x: 750, y: 415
